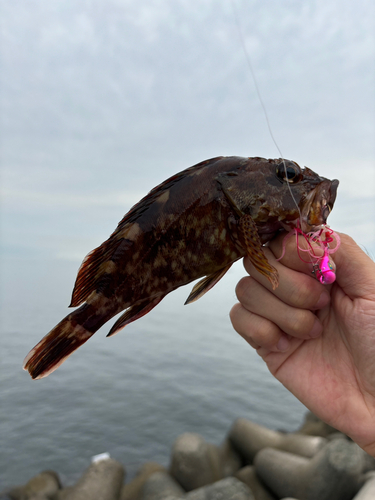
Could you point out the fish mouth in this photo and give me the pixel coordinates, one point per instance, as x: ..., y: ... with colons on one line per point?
x: 318, y: 205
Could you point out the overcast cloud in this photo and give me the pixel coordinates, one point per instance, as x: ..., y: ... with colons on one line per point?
x: 102, y: 100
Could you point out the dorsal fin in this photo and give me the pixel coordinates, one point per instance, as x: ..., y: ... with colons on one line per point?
x: 139, y: 208
x: 97, y: 264
x: 82, y: 288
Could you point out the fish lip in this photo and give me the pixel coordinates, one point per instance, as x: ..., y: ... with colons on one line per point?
x: 318, y: 204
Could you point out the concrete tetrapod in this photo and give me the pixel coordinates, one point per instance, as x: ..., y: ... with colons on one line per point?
x: 229, y: 488
x: 249, y: 476
x: 160, y: 486
x: 230, y: 460
x: 45, y: 484
x: 367, y: 492
x: 332, y: 474
x: 313, y: 426
x: 249, y: 438
x: 194, y: 462
x: 102, y: 480
x: 132, y: 490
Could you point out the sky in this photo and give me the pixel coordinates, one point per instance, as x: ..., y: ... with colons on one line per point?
x: 102, y: 100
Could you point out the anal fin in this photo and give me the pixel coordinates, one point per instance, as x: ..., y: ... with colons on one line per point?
x: 206, y: 284
x: 133, y: 313
x: 254, y: 250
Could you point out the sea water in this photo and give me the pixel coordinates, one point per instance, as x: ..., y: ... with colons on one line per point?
x: 178, y: 369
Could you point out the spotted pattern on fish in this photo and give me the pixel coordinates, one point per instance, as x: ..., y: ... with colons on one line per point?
x: 193, y: 225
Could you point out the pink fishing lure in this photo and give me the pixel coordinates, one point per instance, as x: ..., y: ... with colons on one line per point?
x: 322, y: 267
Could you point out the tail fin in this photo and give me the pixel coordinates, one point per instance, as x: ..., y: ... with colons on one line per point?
x: 58, y: 345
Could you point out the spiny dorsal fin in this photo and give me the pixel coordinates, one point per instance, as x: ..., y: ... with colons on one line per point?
x: 206, y: 284
x: 139, y: 208
x: 97, y: 264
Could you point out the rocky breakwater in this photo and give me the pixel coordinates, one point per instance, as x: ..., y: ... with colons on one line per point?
x: 253, y: 463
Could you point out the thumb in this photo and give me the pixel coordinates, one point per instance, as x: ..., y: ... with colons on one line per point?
x: 355, y: 272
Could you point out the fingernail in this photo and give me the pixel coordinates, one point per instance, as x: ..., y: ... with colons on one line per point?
x: 323, y: 300
x: 283, y: 344
x: 316, y: 329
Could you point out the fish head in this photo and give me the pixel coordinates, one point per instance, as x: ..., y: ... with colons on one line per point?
x: 314, y: 194
x: 300, y: 195
x: 278, y: 194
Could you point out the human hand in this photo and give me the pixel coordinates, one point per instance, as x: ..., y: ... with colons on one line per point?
x: 317, y: 340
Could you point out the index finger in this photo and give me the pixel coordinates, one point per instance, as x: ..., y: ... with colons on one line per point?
x: 298, y: 289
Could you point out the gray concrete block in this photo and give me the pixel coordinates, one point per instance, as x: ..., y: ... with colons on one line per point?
x: 230, y: 460
x: 249, y: 438
x: 160, y: 486
x: 249, y: 476
x: 63, y: 494
x: 194, y: 462
x: 367, y: 492
x: 313, y: 426
x: 132, y: 490
x: 103, y: 480
x: 39, y: 496
x: 229, y: 488
x: 368, y: 461
x: 337, y: 435
x: 332, y: 474
x: 45, y: 484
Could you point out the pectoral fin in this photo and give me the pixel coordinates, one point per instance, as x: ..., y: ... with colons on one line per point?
x: 254, y: 250
x: 233, y: 187
x: 206, y: 284
x: 249, y: 237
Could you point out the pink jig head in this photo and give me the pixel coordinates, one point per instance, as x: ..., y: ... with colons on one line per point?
x: 322, y: 268
x: 325, y: 271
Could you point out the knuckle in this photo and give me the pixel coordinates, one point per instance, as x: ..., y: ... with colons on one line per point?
x: 304, y: 295
x: 234, y: 313
x: 243, y: 288
x: 266, y: 335
x: 301, y: 323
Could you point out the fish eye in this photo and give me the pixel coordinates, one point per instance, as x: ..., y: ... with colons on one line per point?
x: 288, y: 171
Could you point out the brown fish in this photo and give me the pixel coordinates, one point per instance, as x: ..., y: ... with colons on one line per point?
x: 195, y: 224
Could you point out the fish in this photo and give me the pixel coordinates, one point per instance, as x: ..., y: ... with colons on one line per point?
x: 195, y: 224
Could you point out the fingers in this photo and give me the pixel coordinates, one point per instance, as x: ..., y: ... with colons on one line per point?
x: 295, y: 288
x: 294, y: 321
x: 276, y: 320
x: 356, y: 270
x: 257, y: 331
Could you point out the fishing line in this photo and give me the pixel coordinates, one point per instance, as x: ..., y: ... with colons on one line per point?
x: 248, y: 59
x: 322, y: 268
